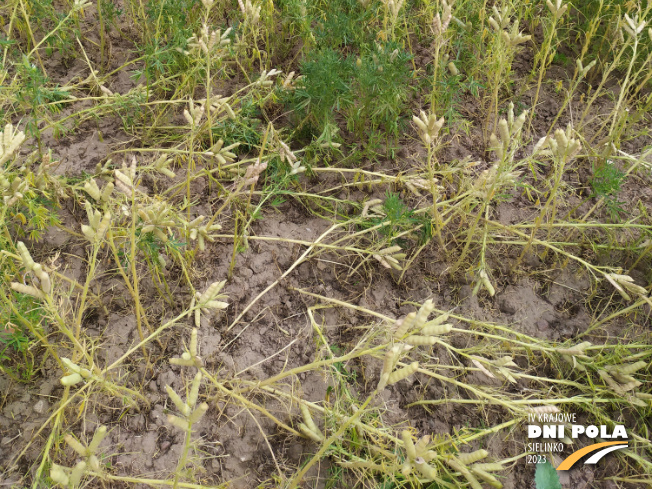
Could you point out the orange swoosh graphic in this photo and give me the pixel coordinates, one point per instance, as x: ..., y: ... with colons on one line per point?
x: 575, y: 456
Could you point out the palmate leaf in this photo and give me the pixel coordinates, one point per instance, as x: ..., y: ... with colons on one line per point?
x: 546, y: 477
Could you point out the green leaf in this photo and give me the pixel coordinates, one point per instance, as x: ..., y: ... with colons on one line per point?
x: 546, y: 477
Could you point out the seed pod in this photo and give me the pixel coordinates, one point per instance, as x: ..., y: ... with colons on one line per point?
x: 106, y: 192
x: 420, y: 340
x: 88, y: 231
x: 503, y: 130
x: 182, y: 424
x: 212, y: 291
x: 403, y: 325
x: 402, y: 373
x: 492, y: 467
x: 70, y: 380
x: 27, y: 289
x: 94, y: 462
x: 194, y: 390
x: 453, y: 69
x: 77, y: 473
x: 408, y: 445
x: 518, y: 123
x: 216, y: 305
x: 472, y: 457
x: 549, y: 409
x: 424, y: 312
x: 438, y: 320
x: 310, y: 434
x: 198, y: 413
x: 181, y: 406
x: 487, y: 283
x: 432, y: 330
x: 92, y: 189
x: 193, y: 342
x: 103, y: 226
x: 76, y: 445
x: 427, y: 470
x: 455, y: 464
x: 628, y: 369
x: 421, y: 444
x: 58, y: 475
x: 99, y: 435
x: 24, y: 255
x: 487, y: 477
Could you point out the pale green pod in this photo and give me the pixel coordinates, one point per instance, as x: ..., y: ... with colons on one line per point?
x: 194, y: 390
x: 182, y: 362
x: 106, y: 192
x: 181, y: 406
x: 628, y: 369
x: 197, y: 318
x: 27, y: 289
x: 76, y: 445
x: 405, y: 324
x: 421, y: 444
x: 453, y: 69
x: 94, y: 462
x: 433, y: 330
x: 77, y: 473
x: 424, y: 311
x: 487, y: 477
x: 518, y: 123
x: 193, y: 342
x: 503, y: 130
x: 104, y: 225
x: 92, y: 189
x: 198, y: 413
x: 99, y: 435
x: 216, y: 305
x: 438, y: 320
x: 420, y: 340
x: 309, y: 433
x: 25, y: 256
x: 402, y: 373
x: 176, y: 421
x: 490, y: 467
x: 58, y: 475
x: 472, y: 457
x: 427, y: 470
x: 408, y: 444
x: 88, y: 231
x: 70, y: 380
x: 406, y: 468
x: 212, y: 291
x: 307, y: 418
x: 73, y: 367
x: 456, y: 464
